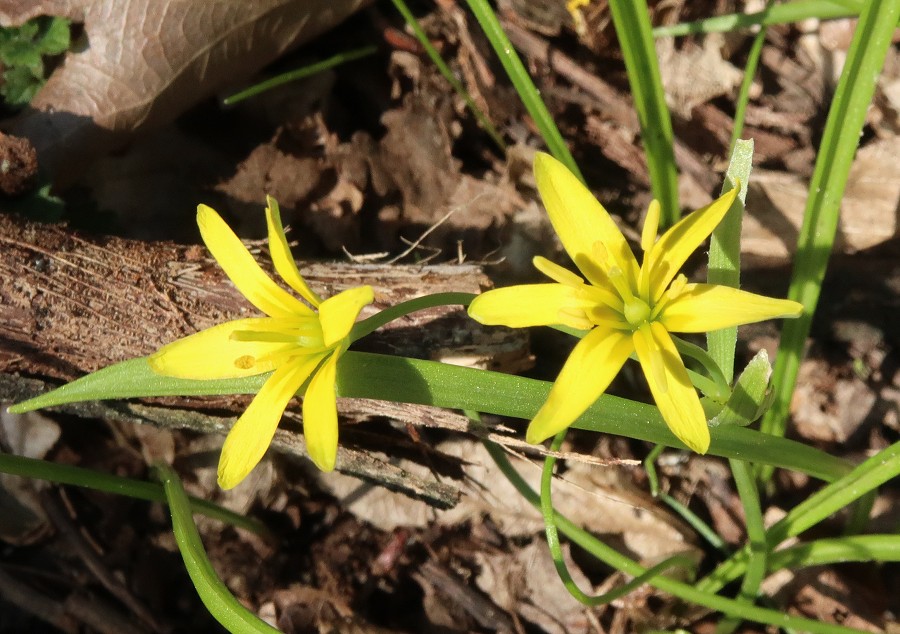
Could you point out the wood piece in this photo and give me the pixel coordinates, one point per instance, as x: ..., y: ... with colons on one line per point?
x: 71, y: 303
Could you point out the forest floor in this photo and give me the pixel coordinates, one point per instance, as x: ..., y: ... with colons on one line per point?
x: 380, y: 154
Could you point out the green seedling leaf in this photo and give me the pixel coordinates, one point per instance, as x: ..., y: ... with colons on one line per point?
x: 22, y: 51
x: 751, y: 395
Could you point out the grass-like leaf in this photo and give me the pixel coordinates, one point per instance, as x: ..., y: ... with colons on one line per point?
x: 781, y: 13
x: 632, y: 21
x: 846, y: 118
x: 384, y: 377
x: 226, y: 609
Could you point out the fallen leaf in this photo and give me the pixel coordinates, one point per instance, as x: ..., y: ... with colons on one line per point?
x: 141, y: 63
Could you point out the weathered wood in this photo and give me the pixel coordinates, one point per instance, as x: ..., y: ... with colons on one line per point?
x: 71, y: 303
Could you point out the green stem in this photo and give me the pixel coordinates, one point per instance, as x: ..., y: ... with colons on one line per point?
x: 98, y: 481
x: 216, y: 596
x: 683, y: 591
x: 846, y: 118
x: 756, y: 540
x: 556, y: 549
x: 379, y: 319
x: 438, y: 61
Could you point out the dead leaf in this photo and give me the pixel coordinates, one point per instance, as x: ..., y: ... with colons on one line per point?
x: 776, y: 201
x: 602, y: 499
x: 695, y: 75
x: 143, y: 62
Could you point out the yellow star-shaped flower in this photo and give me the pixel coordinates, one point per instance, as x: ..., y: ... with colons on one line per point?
x: 294, y: 342
x: 627, y: 308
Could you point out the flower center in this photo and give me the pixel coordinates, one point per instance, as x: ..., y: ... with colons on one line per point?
x: 636, y: 311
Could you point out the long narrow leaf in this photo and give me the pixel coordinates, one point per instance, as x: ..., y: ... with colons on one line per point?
x: 846, y: 118
x: 215, y: 595
x: 776, y: 14
x: 118, y: 485
x: 632, y: 22
x: 725, y: 253
x: 519, y: 77
x: 438, y: 61
x: 384, y: 377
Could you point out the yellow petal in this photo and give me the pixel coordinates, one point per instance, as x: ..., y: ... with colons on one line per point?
x: 588, y: 371
x: 281, y: 254
x: 672, y: 390
x: 676, y: 245
x: 581, y: 221
x: 214, y: 354
x: 234, y: 258
x: 320, y: 421
x: 529, y: 305
x: 705, y: 307
x: 338, y: 314
x: 249, y: 439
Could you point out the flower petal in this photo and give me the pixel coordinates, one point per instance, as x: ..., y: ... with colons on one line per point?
x: 320, y: 421
x: 214, y: 354
x: 676, y: 245
x: 671, y: 387
x: 529, y: 305
x: 581, y: 221
x: 251, y: 435
x: 281, y: 254
x: 588, y: 371
x: 705, y: 307
x: 234, y: 258
x: 338, y: 314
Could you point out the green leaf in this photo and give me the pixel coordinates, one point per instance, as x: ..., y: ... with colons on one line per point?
x: 398, y: 379
x: 56, y: 37
x: 751, y: 395
x: 632, y: 21
x: 846, y: 118
x: 725, y: 253
x: 215, y: 595
x: 781, y: 13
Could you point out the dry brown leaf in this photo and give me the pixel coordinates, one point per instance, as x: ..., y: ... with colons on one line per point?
x: 776, y: 200
x: 143, y: 62
x: 598, y: 498
x: 695, y: 75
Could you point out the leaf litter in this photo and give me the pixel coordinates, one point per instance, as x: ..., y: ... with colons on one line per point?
x: 368, y: 155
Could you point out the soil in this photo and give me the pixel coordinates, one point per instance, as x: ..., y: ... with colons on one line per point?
x: 379, y: 161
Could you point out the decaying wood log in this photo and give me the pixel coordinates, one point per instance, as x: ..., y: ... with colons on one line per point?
x: 72, y: 303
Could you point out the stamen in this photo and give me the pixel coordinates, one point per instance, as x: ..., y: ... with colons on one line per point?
x: 574, y: 319
x: 245, y: 362
x: 601, y: 254
x: 657, y: 374
x: 557, y: 273
x: 675, y: 289
x: 267, y: 337
x: 617, y: 279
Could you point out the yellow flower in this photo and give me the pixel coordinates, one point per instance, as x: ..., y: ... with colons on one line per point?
x: 627, y: 308
x: 293, y: 342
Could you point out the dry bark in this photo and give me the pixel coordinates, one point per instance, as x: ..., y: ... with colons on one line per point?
x: 72, y: 303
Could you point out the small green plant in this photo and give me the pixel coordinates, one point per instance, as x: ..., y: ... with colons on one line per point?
x: 23, y: 51
x: 627, y: 309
